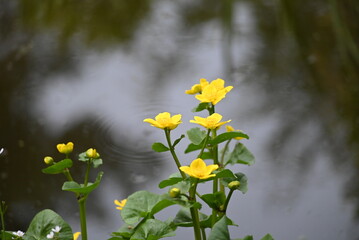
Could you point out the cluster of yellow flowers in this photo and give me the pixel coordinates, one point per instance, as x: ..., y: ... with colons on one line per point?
x: 213, y: 93
x: 206, y: 92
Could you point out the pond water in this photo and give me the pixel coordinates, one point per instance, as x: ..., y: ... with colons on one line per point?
x: 91, y: 71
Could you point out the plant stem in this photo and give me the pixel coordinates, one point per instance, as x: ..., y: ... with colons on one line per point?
x: 205, y: 143
x: 82, y: 207
x: 224, y: 153
x: 172, y: 150
x: 227, y: 200
x: 68, y: 175
x: 215, y: 160
x: 87, y: 172
x: 221, y: 163
x: 211, y: 110
x: 3, y: 208
x: 203, y: 233
x: 194, y: 213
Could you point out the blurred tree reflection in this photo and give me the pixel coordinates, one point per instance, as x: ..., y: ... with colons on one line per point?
x: 313, y: 46
x: 98, y: 22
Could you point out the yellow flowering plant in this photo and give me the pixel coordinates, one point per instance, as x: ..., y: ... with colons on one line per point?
x: 92, y: 160
x: 211, y: 166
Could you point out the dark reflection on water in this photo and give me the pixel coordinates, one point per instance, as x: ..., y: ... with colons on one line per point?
x: 91, y: 71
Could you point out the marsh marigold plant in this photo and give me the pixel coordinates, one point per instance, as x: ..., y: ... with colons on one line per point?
x: 204, y: 210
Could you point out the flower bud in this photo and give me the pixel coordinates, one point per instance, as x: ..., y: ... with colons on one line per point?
x: 234, y: 185
x: 174, y: 192
x: 48, y: 160
x: 92, y: 153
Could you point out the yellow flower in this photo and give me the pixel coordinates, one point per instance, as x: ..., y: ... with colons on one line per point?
x: 231, y: 129
x: 76, y: 235
x: 198, y: 169
x: 197, y: 88
x: 120, y: 204
x: 65, y: 148
x: 214, y: 92
x: 92, y: 153
x: 165, y: 121
x: 210, y: 122
x: 48, y: 160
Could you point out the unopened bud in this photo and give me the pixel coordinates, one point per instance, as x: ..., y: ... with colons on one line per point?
x: 48, y: 160
x: 174, y: 192
x: 234, y: 185
x: 92, y: 153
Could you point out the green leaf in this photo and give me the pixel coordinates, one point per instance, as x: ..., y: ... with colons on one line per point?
x: 58, y: 167
x: 214, y: 200
x: 178, y: 140
x: 207, y: 223
x: 162, y: 205
x: 7, y: 235
x: 249, y: 237
x: 220, y: 230
x: 96, y: 162
x: 193, y: 147
x: 225, y: 173
x: 159, y: 147
x: 80, y: 188
x: 227, y: 136
x: 241, y: 155
x: 237, y: 177
x: 201, y: 107
x: 196, y: 135
x: 124, y: 232
x: 183, y: 218
x: 206, y: 155
x: 139, y: 205
x: 184, y: 185
x: 153, y: 229
x: 170, y: 182
x: 267, y: 237
x: 42, y: 224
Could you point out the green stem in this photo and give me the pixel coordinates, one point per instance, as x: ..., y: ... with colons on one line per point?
x: 215, y: 160
x: 68, y: 175
x: 194, y: 213
x: 205, y: 143
x: 2, y: 213
x: 82, y: 207
x: 172, y: 150
x: 227, y: 200
x: 221, y: 163
x: 224, y: 153
x: 87, y: 172
x: 203, y: 233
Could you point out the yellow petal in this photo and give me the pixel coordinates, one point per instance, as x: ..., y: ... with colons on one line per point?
x: 203, y: 82
x: 76, y: 235
x: 176, y: 118
x: 218, y: 83
x: 198, y: 164
x: 186, y: 169
x: 207, y: 176
x: 195, y: 89
x: 216, y: 117
x: 211, y: 168
x: 229, y: 128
